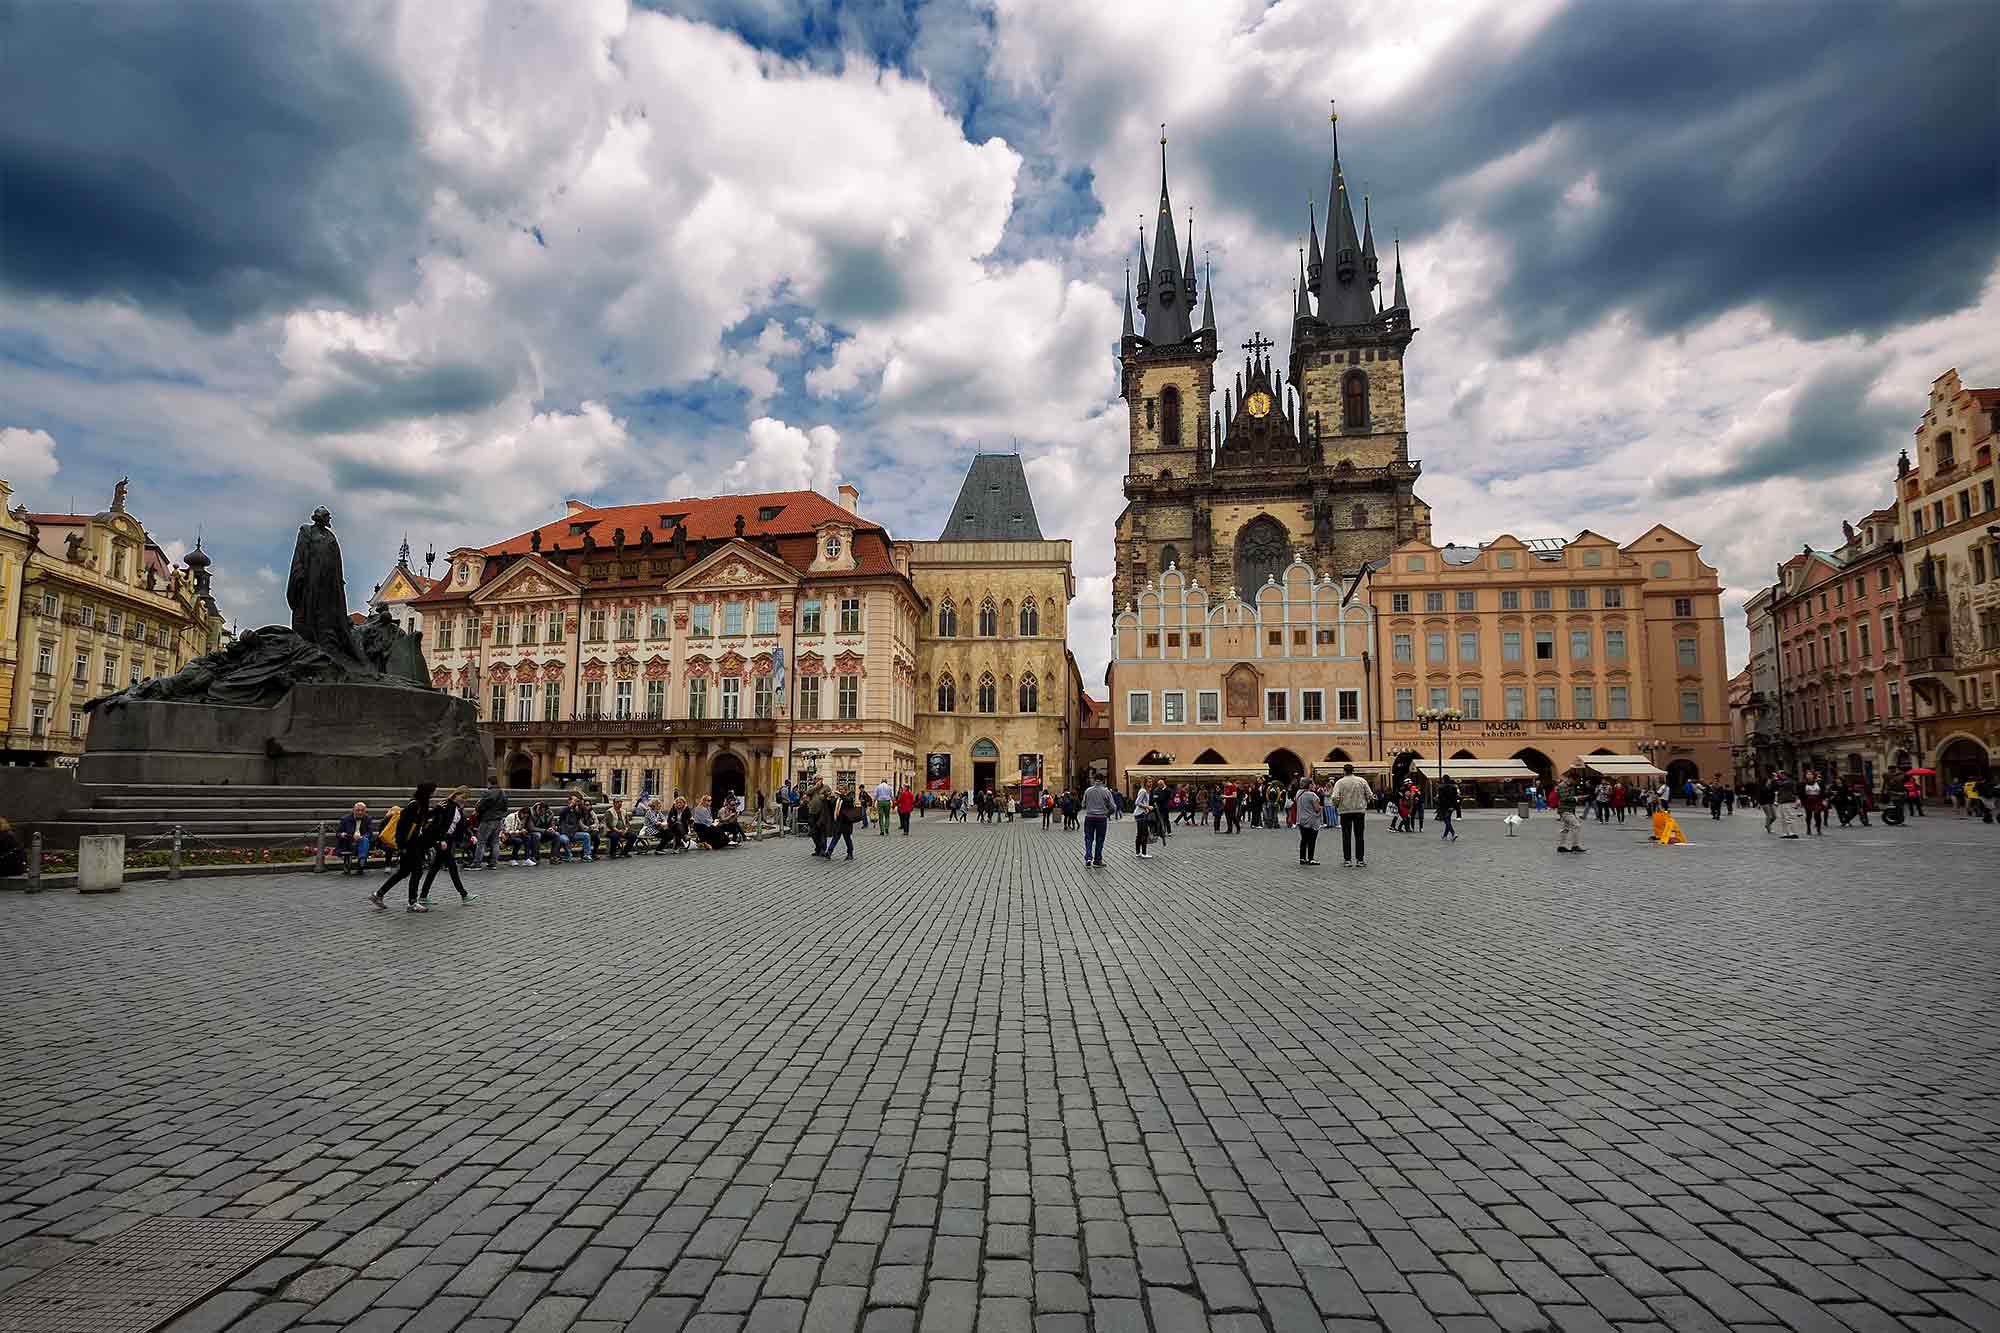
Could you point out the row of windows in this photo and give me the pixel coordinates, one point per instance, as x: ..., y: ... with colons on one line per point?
x: 986, y: 695
x: 38, y: 722
x: 1884, y: 580
x: 1950, y: 509
x: 1593, y: 558
x: 1278, y: 707
x: 1822, y: 713
x: 1539, y: 599
x: 542, y: 701
x: 45, y: 665
x: 1514, y: 699
x: 1028, y: 624
x: 1402, y: 647
x: 1813, y: 655
x: 113, y: 620
x: 738, y: 619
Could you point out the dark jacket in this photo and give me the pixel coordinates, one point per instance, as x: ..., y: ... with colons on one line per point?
x: 570, y: 821
x: 492, y: 807
x: 413, y: 826
x: 446, y: 822
x: 349, y: 830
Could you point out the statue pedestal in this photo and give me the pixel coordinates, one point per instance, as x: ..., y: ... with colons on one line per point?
x: 317, y: 735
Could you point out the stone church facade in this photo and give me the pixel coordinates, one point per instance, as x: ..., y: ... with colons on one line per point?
x: 1310, y: 459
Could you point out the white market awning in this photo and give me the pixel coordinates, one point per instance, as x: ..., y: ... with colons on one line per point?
x: 1620, y: 765
x: 1473, y: 770
x: 1331, y: 769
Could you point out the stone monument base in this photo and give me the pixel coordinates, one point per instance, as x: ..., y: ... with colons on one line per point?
x: 317, y: 735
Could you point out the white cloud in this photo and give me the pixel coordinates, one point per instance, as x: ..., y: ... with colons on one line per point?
x: 785, y: 458
x: 27, y: 457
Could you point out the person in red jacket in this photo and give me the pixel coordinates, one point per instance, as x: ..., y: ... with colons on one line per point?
x: 906, y: 801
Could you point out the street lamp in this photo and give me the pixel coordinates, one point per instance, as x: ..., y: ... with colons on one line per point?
x: 1443, y: 719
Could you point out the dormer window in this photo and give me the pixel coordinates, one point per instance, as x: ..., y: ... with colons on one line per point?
x: 464, y: 570
x: 833, y: 546
x: 768, y: 512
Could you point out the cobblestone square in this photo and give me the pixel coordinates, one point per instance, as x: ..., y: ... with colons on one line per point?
x: 963, y: 1085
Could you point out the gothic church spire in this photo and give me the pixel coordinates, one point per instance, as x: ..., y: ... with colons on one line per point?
x: 1167, y: 300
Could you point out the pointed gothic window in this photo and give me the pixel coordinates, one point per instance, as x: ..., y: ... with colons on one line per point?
x: 1261, y: 549
x: 947, y: 620
x: 1030, y: 696
x: 1031, y: 620
x: 1354, y: 400
x: 989, y: 695
x: 989, y: 619
x: 947, y: 696
x: 1170, y: 418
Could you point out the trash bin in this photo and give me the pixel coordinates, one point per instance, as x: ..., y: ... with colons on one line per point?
x: 1523, y: 807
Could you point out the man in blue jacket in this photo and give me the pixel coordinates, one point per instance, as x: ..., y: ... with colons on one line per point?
x: 357, y: 831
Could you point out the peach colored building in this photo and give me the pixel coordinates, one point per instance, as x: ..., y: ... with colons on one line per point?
x: 1554, y: 650
x: 1199, y: 680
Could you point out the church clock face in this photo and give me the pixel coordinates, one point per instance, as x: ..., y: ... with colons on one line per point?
x: 1259, y: 404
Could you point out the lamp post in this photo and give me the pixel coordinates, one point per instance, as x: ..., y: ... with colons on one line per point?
x: 1443, y: 720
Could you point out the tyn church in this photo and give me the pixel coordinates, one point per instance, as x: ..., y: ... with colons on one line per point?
x: 1312, y: 459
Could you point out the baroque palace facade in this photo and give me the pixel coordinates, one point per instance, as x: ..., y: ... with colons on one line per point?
x: 1279, y: 604
x: 89, y: 604
x: 705, y: 646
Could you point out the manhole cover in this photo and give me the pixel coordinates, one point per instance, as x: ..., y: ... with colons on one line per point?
x: 141, y: 1278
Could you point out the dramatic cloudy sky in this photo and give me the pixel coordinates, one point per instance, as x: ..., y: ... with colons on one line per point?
x: 441, y: 264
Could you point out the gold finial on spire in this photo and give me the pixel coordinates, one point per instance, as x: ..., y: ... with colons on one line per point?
x: 1332, y: 107
x: 1163, y: 134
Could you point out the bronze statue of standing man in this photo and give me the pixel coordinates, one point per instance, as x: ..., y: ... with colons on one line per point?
x: 317, y: 590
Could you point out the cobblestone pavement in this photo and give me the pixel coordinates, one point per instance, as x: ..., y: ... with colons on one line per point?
x: 963, y: 1084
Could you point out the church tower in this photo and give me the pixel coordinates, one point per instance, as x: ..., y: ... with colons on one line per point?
x: 1307, y: 460
x: 1167, y: 380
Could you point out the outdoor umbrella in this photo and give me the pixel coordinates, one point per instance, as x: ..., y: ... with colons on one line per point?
x: 1922, y: 772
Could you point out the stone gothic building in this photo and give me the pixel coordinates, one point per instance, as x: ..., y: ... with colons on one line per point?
x: 1309, y: 460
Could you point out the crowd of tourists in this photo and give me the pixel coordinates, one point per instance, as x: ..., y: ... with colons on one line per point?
x: 426, y: 836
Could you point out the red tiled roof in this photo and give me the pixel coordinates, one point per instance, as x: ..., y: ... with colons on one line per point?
x: 46, y: 519
x: 713, y: 518
x: 1985, y: 397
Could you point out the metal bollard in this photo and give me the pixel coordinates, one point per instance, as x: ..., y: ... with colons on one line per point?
x: 319, y: 848
x: 35, y: 864
x: 174, y: 855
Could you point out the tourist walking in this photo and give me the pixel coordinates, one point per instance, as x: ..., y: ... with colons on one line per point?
x: 1097, y: 807
x: 1619, y: 799
x: 413, y: 825
x: 906, y: 801
x: 1785, y: 795
x: 1351, y: 797
x: 447, y: 823
x: 1569, y: 828
x: 847, y: 813
x: 821, y: 812
x: 1309, y: 815
x: 885, y: 801
x: 1812, y: 798
x: 490, y: 819
x: 1448, y: 808
x: 1142, y: 820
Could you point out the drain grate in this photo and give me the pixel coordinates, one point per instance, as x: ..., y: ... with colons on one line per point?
x: 141, y: 1278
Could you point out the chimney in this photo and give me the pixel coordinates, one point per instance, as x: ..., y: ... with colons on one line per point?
x: 850, y: 499
x: 574, y: 506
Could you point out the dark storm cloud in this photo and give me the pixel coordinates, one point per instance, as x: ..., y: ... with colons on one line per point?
x: 374, y: 392
x: 353, y: 475
x: 1830, y: 429
x: 1835, y: 164
x: 216, y: 159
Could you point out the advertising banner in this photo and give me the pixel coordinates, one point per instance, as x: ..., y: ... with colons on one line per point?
x: 937, y: 772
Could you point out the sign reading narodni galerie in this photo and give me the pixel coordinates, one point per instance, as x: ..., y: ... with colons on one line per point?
x: 937, y: 772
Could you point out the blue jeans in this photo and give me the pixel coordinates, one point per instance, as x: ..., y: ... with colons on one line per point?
x: 1093, y: 837
x: 358, y: 853
x: 581, y: 841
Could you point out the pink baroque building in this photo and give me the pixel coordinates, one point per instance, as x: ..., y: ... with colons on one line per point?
x: 1842, y: 701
